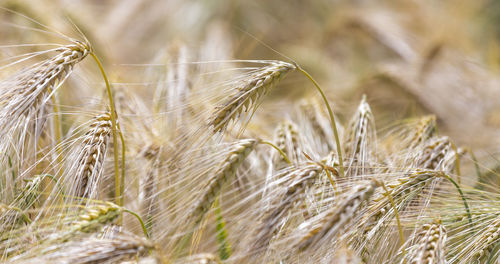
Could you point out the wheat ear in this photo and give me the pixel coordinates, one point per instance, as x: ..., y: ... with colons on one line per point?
x: 299, y: 180
x: 336, y: 219
x: 430, y: 248
x: 248, y: 94
x: 360, y: 138
x: 223, y: 173
x: 91, y: 157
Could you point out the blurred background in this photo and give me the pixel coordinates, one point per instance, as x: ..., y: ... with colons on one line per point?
x: 410, y: 58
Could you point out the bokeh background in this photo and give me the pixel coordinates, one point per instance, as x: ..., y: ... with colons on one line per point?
x: 410, y: 58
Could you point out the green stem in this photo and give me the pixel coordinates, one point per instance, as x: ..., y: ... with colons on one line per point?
x: 114, y: 132
x: 463, y: 197
x: 224, y: 246
x: 122, y: 181
x: 332, y: 119
x: 140, y: 221
x: 278, y: 149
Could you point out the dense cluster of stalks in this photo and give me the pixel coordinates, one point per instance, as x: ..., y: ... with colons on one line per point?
x: 198, y: 157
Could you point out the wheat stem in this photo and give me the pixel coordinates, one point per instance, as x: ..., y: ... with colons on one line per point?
x: 143, y: 226
x: 118, y: 181
x: 462, y: 196
x: 332, y: 118
x: 278, y: 149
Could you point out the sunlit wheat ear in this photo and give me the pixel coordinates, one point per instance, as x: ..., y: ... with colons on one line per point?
x: 91, y: 157
x: 92, y: 250
x: 430, y: 246
x: 287, y: 139
x: 282, y: 200
x: 423, y: 130
x: 360, y: 139
x: 94, y: 217
x: 24, y: 95
x: 248, y: 94
x: 437, y: 154
x: 224, y: 172
x: 336, y: 219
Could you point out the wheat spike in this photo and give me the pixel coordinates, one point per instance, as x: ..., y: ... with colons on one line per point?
x: 224, y: 172
x: 299, y: 180
x: 287, y: 139
x: 249, y: 93
x: 91, y: 156
x: 424, y: 130
x: 430, y: 248
x: 437, y: 154
x: 26, y: 94
x: 360, y: 139
x: 336, y: 219
x: 92, y: 250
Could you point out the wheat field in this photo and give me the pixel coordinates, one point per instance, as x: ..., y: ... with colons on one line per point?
x: 174, y: 131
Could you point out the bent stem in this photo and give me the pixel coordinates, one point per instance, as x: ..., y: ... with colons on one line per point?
x: 278, y: 149
x: 140, y: 221
x: 462, y: 196
x: 113, y: 129
x: 332, y: 118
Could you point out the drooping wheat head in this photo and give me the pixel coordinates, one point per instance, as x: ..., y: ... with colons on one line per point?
x: 248, y: 93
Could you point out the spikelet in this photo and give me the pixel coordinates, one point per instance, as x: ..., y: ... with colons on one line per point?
x: 299, y: 180
x: 91, y: 156
x: 248, y: 94
x: 360, y: 141
x: 287, y: 139
x: 336, y: 219
x: 430, y: 248
x: 225, y: 171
